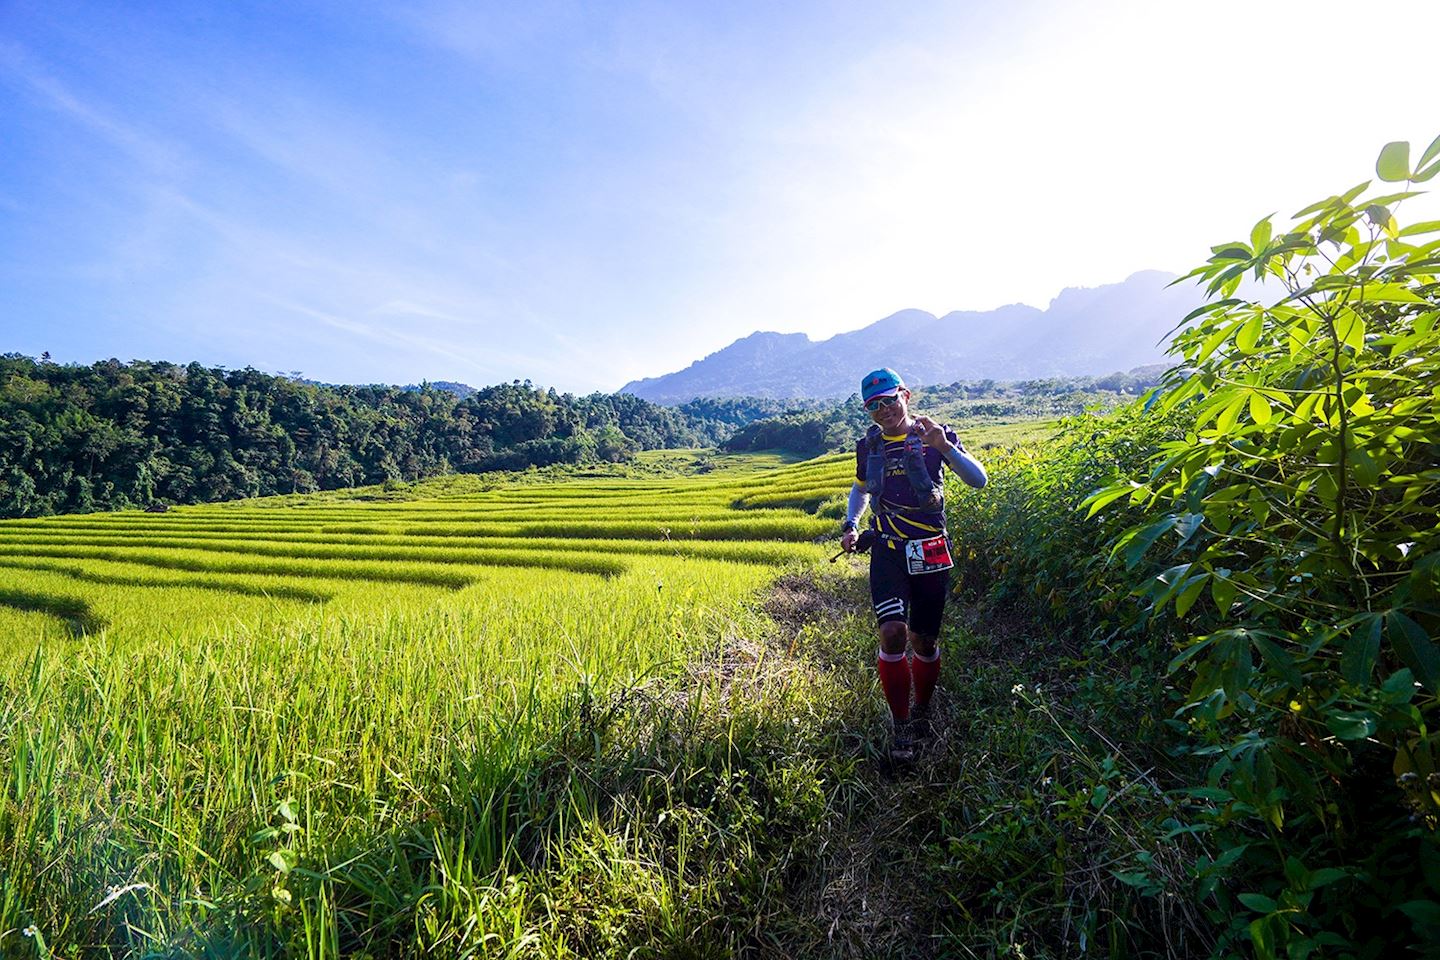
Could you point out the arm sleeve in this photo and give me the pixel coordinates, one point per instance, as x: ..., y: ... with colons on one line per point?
x: 965, y: 466
x: 855, y: 506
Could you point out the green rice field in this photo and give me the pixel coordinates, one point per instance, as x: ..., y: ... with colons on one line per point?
x: 225, y: 729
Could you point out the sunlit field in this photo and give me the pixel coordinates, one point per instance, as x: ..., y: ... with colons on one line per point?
x: 213, y: 720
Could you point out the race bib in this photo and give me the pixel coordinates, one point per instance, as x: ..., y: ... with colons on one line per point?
x: 928, y: 556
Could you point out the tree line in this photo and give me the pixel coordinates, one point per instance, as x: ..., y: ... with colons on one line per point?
x: 113, y: 435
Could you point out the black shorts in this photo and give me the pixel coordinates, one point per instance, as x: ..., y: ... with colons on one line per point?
x: 917, y: 599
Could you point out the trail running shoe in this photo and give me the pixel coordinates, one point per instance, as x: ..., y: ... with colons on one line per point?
x: 902, y: 744
x: 920, y: 727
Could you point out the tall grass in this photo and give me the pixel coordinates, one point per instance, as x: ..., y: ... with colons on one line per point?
x: 167, y: 759
x: 228, y: 730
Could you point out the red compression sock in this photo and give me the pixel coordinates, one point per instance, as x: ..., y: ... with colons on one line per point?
x: 894, y: 672
x: 926, y: 674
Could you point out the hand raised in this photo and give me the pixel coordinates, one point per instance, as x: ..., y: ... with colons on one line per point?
x: 931, y: 432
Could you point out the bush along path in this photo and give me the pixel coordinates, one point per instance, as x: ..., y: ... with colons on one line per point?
x: 1257, y: 541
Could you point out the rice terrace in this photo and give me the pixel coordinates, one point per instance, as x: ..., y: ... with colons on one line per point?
x: 277, y: 684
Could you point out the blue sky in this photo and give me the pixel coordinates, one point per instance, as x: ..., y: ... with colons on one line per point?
x: 585, y: 193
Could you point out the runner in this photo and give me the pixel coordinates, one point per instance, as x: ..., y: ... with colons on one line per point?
x: 897, y: 475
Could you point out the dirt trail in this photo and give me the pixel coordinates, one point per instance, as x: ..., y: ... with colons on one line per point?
x: 867, y: 894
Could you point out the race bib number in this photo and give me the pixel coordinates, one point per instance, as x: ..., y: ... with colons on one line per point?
x: 928, y: 556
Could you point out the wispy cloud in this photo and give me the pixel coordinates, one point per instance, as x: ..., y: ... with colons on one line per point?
x: 156, y: 155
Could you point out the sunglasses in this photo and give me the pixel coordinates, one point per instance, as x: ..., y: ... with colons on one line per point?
x: 878, y: 402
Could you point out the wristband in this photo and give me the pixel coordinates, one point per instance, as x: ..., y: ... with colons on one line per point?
x: 848, y: 526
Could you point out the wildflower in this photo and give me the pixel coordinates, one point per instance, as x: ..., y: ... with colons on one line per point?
x: 1018, y: 689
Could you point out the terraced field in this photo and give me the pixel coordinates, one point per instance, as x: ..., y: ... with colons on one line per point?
x: 210, y: 714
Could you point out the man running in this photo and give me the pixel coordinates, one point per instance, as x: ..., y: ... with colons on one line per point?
x: 898, y: 476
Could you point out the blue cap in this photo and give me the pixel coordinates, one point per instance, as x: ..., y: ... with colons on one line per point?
x: 880, y: 383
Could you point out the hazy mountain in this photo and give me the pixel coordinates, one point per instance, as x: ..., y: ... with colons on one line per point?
x: 1084, y: 331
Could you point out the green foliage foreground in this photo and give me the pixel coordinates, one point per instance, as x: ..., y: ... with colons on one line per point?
x: 1269, y: 518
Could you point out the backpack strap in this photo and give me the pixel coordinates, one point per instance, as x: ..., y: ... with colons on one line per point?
x: 929, y: 494
x: 874, y: 465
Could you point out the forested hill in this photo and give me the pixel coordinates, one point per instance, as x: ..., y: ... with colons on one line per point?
x: 115, y: 435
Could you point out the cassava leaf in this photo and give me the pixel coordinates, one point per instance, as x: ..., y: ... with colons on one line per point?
x: 1260, y: 234
x: 1189, y: 595
x: 1098, y: 500
x: 1279, y: 660
x: 1249, y: 333
x: 1348, y: 197
x: 1392, y: 293
x: 1423, y: 226
x: 1431, y: 152
x: 1259, y: 408
x: 1393, y: 164
x: 1414, y: 648
x: 1350, y: 330
x: 1362, y: 647
x: 1223, y: 592
x: 1367, y: 471
x: 1145, y: 537
x: 1225, y: 422
x: 1351, y: 726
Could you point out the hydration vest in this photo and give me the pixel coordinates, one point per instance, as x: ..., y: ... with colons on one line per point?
x: 928, y: 494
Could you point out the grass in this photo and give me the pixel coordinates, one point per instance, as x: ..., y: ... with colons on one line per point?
x: 365, y: 719
x: 73, y: 612
x: 220, y: 718
x: 136, y: 575
x: 311, y: 743
x: 987, y: 436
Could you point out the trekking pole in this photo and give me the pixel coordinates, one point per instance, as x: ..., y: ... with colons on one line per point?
x: 862, y: 543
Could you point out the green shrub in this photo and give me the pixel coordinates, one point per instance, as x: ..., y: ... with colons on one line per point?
x: 1268, y: 516
x: 1301, y: 505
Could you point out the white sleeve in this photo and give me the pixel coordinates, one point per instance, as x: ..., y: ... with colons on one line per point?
x: 855, y: 506
x: 965, y: 466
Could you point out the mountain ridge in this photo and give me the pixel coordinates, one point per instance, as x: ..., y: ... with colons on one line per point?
x: 1083, y: 331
